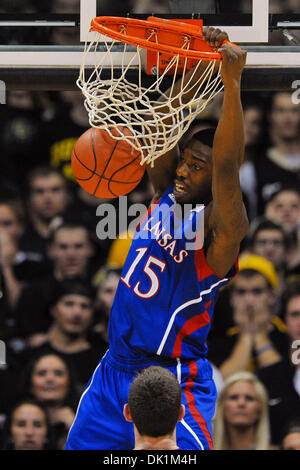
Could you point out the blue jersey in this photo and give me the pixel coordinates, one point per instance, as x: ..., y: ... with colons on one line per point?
x: 167, y: 292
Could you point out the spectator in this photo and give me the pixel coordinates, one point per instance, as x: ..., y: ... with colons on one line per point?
x: 11, y: 228
x: 154, y: 406
x: 106, y: 283
x: 258, y: 337
x: 70, y: 251
x: 283, y: 207
x: 48, y: 199
x: 28, y: 428
x: 72, y: 312
x: 281, y: 162
x: 16, y: 266
x: 242, y: 415
x: 291, y: 440
x: 281, y: 377
x: 50, y: 381
x: 269, y: 240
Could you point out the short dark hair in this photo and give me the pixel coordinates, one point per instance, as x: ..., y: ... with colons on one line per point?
x: 66, y: 226
x: 43, y: 171
x: 71, y: 286
x: 206, y: 136
x: 266, y: 224
x: 248, y: 274
x: 154, y: 401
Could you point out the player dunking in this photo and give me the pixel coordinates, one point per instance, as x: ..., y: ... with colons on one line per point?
x: 165, y: 299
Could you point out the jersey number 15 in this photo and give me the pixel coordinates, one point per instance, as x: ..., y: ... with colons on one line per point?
x: 152, y: 260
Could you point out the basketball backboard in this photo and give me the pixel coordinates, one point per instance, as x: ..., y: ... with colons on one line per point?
x: 250, y: 23
x: 254, y: 32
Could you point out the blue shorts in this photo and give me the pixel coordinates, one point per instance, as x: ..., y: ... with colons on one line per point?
x: 100, y: 425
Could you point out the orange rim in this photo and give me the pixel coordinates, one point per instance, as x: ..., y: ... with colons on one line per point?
x: 134, y: 32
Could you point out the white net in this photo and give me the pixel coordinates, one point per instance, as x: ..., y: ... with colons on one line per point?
x: 157, y: 119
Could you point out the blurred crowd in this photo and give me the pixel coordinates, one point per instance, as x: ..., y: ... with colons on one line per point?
x: 58, y: 279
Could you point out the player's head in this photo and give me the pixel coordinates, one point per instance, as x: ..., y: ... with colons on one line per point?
x: 194, y: 170
x: 154, y: 403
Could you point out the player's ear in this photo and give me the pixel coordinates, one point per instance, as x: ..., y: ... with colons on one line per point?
x: 181, y: 412
x: 126, y: 413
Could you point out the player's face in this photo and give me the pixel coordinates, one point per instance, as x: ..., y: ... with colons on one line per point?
x: 73, y: 314
x: 241, y: 406
x: 50, y: 379
x: 194, y: 173
x: 29, y: 428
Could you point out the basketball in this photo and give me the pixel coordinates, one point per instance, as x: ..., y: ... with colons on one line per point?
x: 106, y: 167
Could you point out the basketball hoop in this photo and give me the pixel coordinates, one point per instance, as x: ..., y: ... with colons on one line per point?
x: 174, y: 48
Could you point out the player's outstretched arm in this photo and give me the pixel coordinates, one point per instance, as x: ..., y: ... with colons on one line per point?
x: 228, y: 222
x: 163, y: 172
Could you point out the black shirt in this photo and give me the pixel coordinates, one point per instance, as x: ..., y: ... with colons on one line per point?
x: 284, y: 401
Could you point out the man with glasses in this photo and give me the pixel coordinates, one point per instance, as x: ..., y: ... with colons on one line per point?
x: 270, y: 241
x: 257, y: 337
